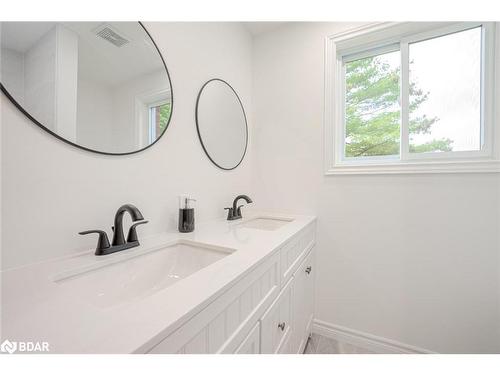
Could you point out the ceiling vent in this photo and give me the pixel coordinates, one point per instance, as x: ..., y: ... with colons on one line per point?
x: 112, y: 35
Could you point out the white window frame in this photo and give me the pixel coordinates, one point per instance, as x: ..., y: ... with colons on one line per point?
x: 143, y: 103
x: 151, y: 120
x: 385, y: 37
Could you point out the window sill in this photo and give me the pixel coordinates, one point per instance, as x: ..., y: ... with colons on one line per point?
x: 477, y: 166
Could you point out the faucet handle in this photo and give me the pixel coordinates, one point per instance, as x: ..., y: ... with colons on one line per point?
x: 103, y: 242
x: 230, y: 213
x: 132, y: 233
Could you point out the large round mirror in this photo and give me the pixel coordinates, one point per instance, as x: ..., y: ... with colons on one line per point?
x: 101, y: 86
x: 221, y: 124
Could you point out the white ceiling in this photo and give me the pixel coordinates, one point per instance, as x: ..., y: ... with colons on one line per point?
x: 98, y: 60
x: 103, y: 63
x: 257, y: 28
x: 21, y: 36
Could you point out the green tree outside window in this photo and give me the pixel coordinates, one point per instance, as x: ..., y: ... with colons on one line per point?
x: 372, y: 111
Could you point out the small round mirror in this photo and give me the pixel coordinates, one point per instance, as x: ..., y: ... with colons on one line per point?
x: 221, y: 124
x: 100, y: 86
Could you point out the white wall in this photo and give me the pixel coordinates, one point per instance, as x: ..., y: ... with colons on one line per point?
x: 51, y: 190
x: 66, y: 82
x: 12, y: 73
x: 94, y: 116
x: 44, y: 79
x: 409, y: 258
x: 40, y: 79
x: 107, y: 115
x: 125, y: 106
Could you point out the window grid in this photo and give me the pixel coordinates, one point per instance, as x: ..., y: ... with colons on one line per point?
x: 403, y: 46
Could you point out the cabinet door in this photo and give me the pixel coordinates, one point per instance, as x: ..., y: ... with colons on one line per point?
x: 276, y: 323
x: 302, y: 303
x: 251, y: 344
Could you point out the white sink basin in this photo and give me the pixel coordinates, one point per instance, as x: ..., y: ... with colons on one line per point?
x: 122, y: 279
x: 266, y: 223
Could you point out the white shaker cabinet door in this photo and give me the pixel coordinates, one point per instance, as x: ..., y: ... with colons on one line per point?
x: 276, y: 324
x: 303, y: 303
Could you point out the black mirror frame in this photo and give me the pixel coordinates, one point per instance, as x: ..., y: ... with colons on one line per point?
x: 28, y: 115
x: 198, y: 126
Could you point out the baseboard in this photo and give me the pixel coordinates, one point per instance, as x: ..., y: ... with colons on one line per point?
x: 367, y: 341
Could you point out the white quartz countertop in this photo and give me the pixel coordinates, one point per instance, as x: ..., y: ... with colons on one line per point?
x: 36, y: 308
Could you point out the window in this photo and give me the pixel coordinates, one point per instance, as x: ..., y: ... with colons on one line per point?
x: 152, y: 112
x: 159, y: 113
x: 411, y: 98
x: 372, y: 108
x: 445, y: 93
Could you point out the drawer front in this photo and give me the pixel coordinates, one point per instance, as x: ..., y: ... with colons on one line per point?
x: 223, y: 325
x: 294, y: 251
x: 251, y: 344
x: 276, y: 322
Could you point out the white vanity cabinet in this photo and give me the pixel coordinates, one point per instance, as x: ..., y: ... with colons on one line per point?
x: 269, y: 310
x: 287, y: 324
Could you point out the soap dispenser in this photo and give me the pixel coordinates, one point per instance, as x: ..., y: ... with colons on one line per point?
x: 186, y: 214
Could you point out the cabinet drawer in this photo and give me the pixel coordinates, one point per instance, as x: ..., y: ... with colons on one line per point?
x: 223, y: 325
x: 294, y: 251
x: 251, y: 344
x: 276, y: 322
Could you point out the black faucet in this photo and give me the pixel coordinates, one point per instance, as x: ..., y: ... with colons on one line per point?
x: 119, y: 243
x: 234, y: 212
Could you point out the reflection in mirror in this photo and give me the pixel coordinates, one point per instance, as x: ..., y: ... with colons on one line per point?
x: 102, y: 86
x: 221, y: 124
